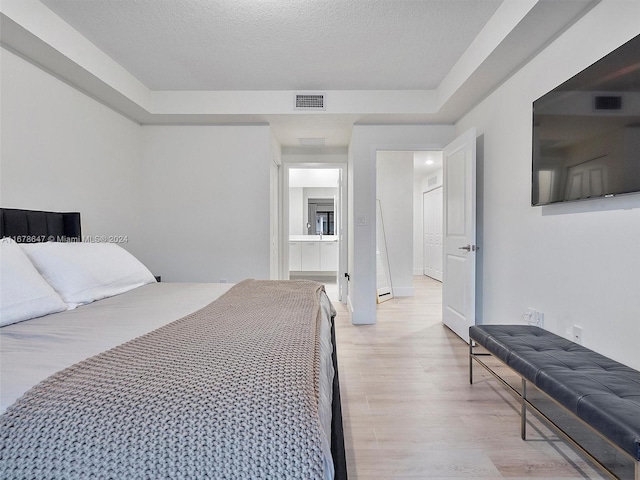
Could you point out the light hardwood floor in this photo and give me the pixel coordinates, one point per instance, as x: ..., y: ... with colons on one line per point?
x: 410, y: 412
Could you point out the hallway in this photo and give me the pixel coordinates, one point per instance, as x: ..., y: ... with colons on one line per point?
x: 409, y: 411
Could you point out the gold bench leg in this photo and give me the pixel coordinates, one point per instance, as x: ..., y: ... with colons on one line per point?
x: 523, y: 415
x: 470, y: 362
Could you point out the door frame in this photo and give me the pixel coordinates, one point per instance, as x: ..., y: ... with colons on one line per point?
x: 395, y: 147
x: 341, y: 214
x: 375, y: 148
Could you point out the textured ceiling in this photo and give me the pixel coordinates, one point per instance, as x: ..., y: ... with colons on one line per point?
x: 206, y: 62
x: 281, y: 44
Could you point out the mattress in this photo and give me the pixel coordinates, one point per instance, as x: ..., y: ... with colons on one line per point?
x: 33, y: 350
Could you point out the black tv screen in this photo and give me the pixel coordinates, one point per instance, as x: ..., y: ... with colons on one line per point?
x: 586, y: 132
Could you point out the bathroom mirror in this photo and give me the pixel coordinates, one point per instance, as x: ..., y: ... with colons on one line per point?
x: 321, y: 216
x: 313, y: 193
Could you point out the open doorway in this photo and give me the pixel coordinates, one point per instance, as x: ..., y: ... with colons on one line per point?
x: 313, y: 221
x: 428, y: 214
x: 406, y: 181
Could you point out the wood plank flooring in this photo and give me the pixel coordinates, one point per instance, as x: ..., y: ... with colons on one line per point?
x: 410, y: 412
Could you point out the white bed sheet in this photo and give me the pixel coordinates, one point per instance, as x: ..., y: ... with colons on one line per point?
x: 33, y: 350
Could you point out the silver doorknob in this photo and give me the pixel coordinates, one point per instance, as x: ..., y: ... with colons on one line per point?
x: 466, y: 247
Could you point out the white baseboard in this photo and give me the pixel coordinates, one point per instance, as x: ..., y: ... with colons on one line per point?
x: 418, y: 271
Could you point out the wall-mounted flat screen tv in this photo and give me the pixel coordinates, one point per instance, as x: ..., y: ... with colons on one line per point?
x: 586, y: 132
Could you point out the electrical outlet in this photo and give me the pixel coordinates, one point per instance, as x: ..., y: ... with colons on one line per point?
x: 534, y: 317
x: 528, y: 317
x: 577, y: 334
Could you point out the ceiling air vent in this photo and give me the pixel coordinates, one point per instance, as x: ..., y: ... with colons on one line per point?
x: 607, y: 102
x: 309, y: 101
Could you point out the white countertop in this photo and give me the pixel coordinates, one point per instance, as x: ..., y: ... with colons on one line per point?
x: 313, y: 238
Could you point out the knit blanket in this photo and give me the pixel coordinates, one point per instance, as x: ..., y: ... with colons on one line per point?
x: 227, y: 392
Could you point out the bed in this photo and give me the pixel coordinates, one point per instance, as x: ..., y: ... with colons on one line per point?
x: 160, y: 380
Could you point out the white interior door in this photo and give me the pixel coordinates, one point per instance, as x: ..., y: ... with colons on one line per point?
x: 432, y: 233
x: 459, y: 276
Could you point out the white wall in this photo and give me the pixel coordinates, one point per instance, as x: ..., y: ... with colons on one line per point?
x: 275, y: 194
x: 63, y: 151
x: 206, y: 202
x: 314, y: 155
x: 296, y: 212
x: 579, y: 263
x: 394, y: 189
x: 366, y: 140
x: 194, y: 202
x: 418, y: 254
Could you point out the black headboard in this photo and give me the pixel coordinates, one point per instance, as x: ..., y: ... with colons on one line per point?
x: 31, y: 226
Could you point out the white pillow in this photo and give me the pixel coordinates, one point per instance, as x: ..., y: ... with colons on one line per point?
x: 84, y: 272
x: 24, y: 294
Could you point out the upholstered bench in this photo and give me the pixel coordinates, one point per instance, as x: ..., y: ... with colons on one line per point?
x: 601, y: 392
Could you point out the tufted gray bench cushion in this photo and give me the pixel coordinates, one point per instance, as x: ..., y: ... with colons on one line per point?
x: 603, y: 393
